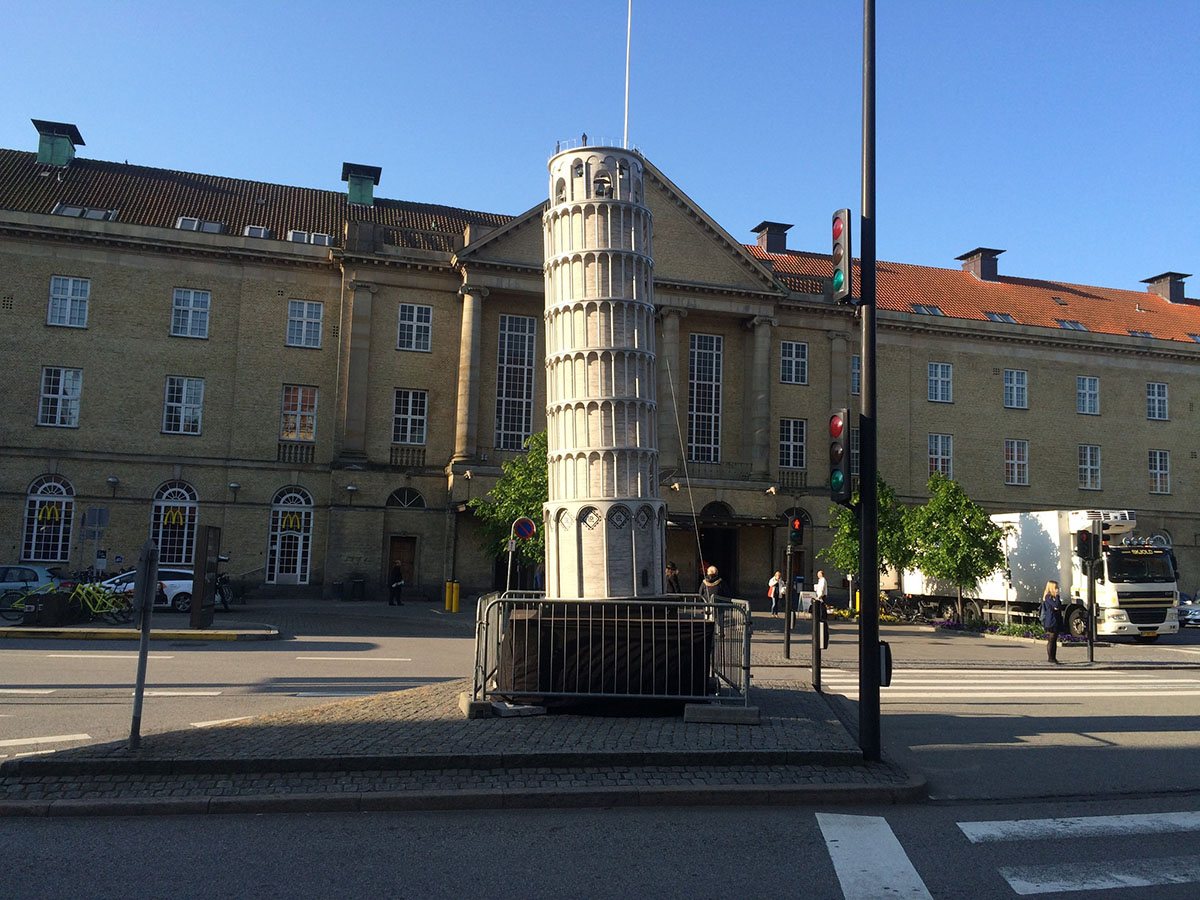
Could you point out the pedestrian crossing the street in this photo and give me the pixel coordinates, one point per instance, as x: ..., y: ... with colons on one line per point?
x: 969, y: 684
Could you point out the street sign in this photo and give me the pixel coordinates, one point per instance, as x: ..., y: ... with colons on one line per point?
x: 524, y: 528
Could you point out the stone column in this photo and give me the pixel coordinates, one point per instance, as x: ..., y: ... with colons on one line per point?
x: 672, y: 386
x: 354, y: 442
x: 466, y: 426
x: 758, y: 395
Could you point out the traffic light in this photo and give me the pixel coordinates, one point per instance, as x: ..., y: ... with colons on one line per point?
x: 839, y: 458
x: 842, y: 276
x: 1087, y: 548
x: 795, y: 530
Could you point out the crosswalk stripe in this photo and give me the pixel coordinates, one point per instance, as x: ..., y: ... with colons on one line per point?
x: 866, y: 855
x: 1079, y: 826
x: 1102, y: 875
x: 53, y: 739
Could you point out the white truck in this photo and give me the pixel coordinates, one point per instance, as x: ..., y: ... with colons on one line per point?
x: 1136, y: 590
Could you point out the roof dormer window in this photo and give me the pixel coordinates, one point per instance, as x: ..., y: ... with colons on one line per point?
x: 1000, y: 317
x: 85, y: 212
x: 191, y: 223
x: 927, y: 309
x: 1136, y: 333
x: 1071, y: 325
x: 310, y: 237
x: 257, y: 231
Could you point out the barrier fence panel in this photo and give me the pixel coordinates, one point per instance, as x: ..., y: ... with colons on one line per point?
x: 529, y: 647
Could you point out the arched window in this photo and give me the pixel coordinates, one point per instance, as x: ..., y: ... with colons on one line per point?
x: 602, y: 185
x: 290, y: 548
x: 716, y: 510
x: 407, y: 498
x: 49, y: 512
x: 560, y: 191
x: 173, y: 523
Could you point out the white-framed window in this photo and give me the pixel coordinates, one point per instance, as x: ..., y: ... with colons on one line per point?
x: 514, y: 381
x: 855, y: 375
x: 415, y: 329
x: 941, y: 454
x: 791, y: 443
x: 309, y: 237
x: 289, y: 546
x: 704, y: 397
x: 189, y: 313
x: 191, y: 223
x: 183, y: 405
x: 304, y: 323
x: 1016, y: 461
x: 793, y: 362
x: 1016, y: 389
x: 298, y: 421
x: 257, y: 231
x: 85, y: 212
x: 1156, y: 400
x: 173, y: 523
x: 941, y: 382
x: 855, y: 451
x: 1087, y: 395
x: 1160, y: 471
x: 68, y: 301
x: 1089, y: 467
x: 61, y: 390
x: 409, y: 416
x: 49, y: 514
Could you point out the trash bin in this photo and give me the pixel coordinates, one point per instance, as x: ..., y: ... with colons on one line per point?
x: 358, y: 589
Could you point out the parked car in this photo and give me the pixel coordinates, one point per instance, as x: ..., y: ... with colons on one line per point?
x: 123, y: 583
x: 24, y: 576
x: 1189, y: 614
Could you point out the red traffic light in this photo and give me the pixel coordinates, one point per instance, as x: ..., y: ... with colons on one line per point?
x: 837, y: 229
x: 797, y: 524
x: 836, y: 426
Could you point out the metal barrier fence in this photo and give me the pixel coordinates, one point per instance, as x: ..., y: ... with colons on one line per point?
x: 678, y: 647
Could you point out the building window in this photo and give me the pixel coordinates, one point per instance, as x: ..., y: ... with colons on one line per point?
x: 85, y: 212
x: 309, y: 237
x: 49, y: 512
x: 61, y: 389
x: 1016, y: 391
x: 189, y: 313
x: 1160, y: 471
x: 406, y: 498
x: 1089, y: 467
x: 1016, y: 462
x: 68, y: 301
x: 793, y: 362
x: 941, y: 376
x: 173, y: 523
x: 1087, y: 395
x: 299, y: 417
x: 1135, y: 333
x: 514, y: 381
x: 941, y: 454
x: 855, y: 451
x: 791, y: 443
x: 257, y: 231
x: 304, y: 323
x: 855, y: 375
x: 408, y: 419
x: 1000, y: 317
x: 289, y: 545
x: 927, y: 309
x: 1156, y: 400
x: 704, y: 398
x: 191, y: 223
x: 1071, y: 325
x: 416, y: 328
x: 183, y: 405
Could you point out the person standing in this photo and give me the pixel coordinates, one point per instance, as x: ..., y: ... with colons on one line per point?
x: 1052, y: 619
x: 673, y: 579
x: 777, y: 591
x: 397, y: 586
x: 710, y: 587
x: 822, y: 587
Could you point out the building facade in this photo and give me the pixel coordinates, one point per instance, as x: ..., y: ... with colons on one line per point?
x: 330, y: 377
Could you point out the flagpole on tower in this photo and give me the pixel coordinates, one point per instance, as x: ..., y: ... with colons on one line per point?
x: 628, y: 36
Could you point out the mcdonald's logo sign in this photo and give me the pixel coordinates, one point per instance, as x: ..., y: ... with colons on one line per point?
x: 49, y: 512
x: 289, y: 521
x: 173, y: 515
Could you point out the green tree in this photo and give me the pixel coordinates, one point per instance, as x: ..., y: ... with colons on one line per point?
x: 955, y: 540
x: 520, y: 491
x: 895, y: 545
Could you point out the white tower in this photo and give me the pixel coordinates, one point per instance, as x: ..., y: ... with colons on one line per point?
x: 605, y: 526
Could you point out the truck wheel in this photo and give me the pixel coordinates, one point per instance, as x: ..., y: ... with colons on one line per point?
x: 1147, y: 638
x: 1077, y: 622
x: 972, y: 613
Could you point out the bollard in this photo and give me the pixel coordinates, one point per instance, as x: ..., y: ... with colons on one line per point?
x: 449, y: 594
x: 454, y: 588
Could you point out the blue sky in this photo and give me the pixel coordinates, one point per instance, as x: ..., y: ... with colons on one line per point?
x: 1064, y: 132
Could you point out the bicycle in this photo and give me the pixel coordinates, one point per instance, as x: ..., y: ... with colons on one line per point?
x: 14, y: 603
x: 100, y: 603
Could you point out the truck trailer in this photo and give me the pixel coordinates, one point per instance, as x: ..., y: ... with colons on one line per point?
x: 1136, y: 580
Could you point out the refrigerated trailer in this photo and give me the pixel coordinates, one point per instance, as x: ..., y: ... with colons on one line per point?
x: 1136, y: 590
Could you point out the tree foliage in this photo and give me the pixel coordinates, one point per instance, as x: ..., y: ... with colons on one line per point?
x: 895, y: 539
x: 520, y: 491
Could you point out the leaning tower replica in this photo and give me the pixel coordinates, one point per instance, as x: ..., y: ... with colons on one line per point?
x: 605, y: 525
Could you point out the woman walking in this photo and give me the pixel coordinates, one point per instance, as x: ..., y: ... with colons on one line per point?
x: 777, y: 591
x: 1052, y: 619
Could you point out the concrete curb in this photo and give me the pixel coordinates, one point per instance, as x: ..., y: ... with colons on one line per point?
x: 265, y: 633
x: 914, y: 790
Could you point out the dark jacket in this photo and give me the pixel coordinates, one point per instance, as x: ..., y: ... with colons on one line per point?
x: 673, y: 584
x: 711, y: 588
x: 1052, y: 619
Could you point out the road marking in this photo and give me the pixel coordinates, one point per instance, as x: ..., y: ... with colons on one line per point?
x: 1079, y: 826
x: 101, y: 656
x: 220, y: 722
x: 358, y: 658
x: 53, y: 739
x: 182, y: 693
x: 868, y: 859
x: 1101, y: 875
x: 27, y: 690
x: 338, y: 693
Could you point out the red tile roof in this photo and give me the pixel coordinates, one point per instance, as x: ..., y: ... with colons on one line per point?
x: 158, y: 197
x: 1029, y: 301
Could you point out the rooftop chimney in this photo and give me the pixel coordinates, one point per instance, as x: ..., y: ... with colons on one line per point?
x: 772, y: 236
x: 56, y: 146
x: 362, y: 180
x: 981, y: 262
x: 1168, y: 285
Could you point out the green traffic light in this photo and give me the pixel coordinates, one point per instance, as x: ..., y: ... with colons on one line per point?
x: 838, y: 279
x: 836, y: 480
